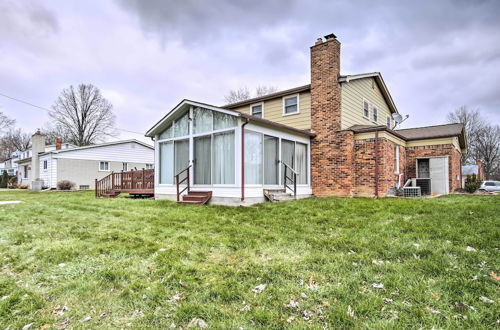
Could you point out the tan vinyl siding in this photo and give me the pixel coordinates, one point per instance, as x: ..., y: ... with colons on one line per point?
x: 273, y: 110
x: 353, y: 93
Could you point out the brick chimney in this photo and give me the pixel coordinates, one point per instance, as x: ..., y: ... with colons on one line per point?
x: 37, y: 147
x: 331, y: 150
x: 58, y: 143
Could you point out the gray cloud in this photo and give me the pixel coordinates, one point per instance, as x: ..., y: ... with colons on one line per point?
x: 147, y: 55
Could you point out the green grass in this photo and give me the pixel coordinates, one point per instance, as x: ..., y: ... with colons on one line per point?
x: 128, y: 258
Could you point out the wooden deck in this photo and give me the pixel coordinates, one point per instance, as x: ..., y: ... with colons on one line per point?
x: 132, y: 182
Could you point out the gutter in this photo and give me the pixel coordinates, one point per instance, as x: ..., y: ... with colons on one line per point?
x: 243, y: 158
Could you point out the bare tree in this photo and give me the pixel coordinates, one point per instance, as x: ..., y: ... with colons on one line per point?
x: 487, y: 151
x: 237, y: 95
x: 243, y: 93
x: 473, y: 123
x: 53, y: 132
x: 483, y: 139
x: 5, y: 121
x: 265, y: 90
x: 12, y: 141
x: 83, y: 115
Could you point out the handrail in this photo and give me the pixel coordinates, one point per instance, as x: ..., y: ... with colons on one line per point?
x: 293, y: 179
x: 178, y: 183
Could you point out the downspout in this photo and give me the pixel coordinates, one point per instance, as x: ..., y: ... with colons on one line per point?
x: 376, y: 164
x: 243, y: 159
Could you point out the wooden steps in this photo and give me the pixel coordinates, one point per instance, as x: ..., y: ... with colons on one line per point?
x: 196, y: 197
x: 277, y: 195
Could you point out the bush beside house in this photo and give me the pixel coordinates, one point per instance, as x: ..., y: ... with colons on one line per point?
x: 472, y: 183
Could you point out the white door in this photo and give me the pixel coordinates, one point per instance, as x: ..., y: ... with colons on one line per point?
x: 438, y: 168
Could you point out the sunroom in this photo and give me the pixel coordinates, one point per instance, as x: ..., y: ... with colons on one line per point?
x: 234, y: 156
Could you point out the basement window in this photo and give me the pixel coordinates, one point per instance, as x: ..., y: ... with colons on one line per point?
x: 257, y: 110
x: 366, y: 109
x: 103, y: 166
x: 290, y: 105
x: 84, y: 187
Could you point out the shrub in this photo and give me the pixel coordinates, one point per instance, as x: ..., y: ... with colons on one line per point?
x: 4, y: 179
x: 65, y: 185
x: 472, y: 183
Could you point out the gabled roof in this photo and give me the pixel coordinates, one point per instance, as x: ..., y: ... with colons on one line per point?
x: 380, y: 82
x: 164, y: 122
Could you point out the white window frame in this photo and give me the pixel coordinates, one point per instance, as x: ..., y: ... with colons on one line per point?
x: 257, y: 104
x: 396, y: 159
x: 388, y: 122
x: 298, y: 104
x: 374, y: 112
x: 124, y: 166
x: 149, y: 166
x: 191, y: 136
x: 363, y: 108
x: 100, y: 166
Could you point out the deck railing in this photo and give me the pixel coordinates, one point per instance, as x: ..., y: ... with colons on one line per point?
x: 292, y: 179
x: 179, y: 181
x: 141, y: 181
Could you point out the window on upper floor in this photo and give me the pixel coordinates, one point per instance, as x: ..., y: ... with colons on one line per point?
x: 149, y: 166
x: 388, y: 122
x: 366, y: 109
x: 45, y: 164
x: 290, y: 105
x: 257, y: 110
x: 125, y: 167
x: 375, y: 114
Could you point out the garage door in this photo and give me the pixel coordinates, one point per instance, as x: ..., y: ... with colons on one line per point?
x: 438, y: 168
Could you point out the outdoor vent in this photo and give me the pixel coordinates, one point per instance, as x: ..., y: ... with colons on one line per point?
x: 84, y: 187
x: 411, y: 192
x: 425, y: 186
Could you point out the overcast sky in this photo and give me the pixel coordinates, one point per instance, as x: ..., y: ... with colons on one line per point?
x: 146, y: 56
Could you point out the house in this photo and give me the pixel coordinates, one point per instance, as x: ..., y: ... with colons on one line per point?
x: 332, y: 137
x: 48, y: 165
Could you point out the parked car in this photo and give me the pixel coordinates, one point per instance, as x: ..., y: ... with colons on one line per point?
x: 490, y: 186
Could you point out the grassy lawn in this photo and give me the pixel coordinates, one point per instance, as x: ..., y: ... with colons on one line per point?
x: 335, y: 262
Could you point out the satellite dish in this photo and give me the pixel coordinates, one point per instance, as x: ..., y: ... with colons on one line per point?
x: 397, y: 118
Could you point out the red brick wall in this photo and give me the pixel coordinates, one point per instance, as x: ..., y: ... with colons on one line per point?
x: 331, y: 149
x: 454, y: 161
x: 365, y: 167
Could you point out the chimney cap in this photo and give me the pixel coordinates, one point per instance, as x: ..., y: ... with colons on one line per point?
x: 330, y: 36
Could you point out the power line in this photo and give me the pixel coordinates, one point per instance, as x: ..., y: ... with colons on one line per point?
x: 48, y: 110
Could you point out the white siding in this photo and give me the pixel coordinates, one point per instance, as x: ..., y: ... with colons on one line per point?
x: 130, y: 152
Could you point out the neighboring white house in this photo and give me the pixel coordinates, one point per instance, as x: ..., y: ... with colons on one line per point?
x: 82, y: 165
x: 224, y: 146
